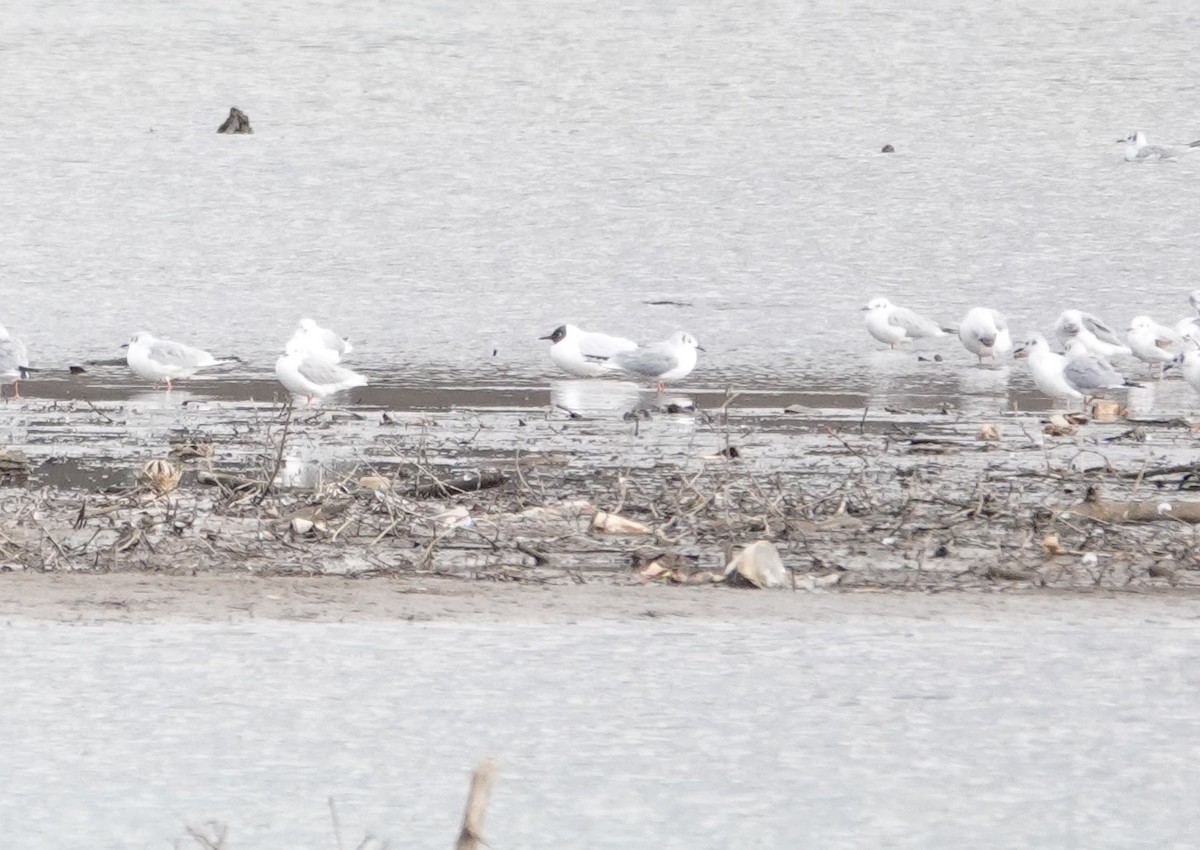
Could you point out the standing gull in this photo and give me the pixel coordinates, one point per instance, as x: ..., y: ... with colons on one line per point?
x: 984, y: 333
x: 314, y: 374
x: 312, y: 337
x: 1097, y: 337
x: 163, y: 360
x: 1047, y: 368
x: 663, y: 362
x: 1189, y: 328
x: 892, y: 325
x: 1152, y: 343
x: 1188, y: 362
x: 1089, y: 374
x: 14, y: 361
x: 583, y: 353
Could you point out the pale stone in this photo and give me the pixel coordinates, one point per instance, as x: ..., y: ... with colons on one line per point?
x: 300, y: 525
x: 614, y: 524
x: 759, y: 564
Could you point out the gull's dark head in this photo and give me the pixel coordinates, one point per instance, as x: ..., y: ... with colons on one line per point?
x: 557, y: 335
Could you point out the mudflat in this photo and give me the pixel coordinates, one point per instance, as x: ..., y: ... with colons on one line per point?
x: 133, y: 598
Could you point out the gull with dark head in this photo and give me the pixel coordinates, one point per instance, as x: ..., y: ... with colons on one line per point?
x: 893, y: 325
x: 583, y: 353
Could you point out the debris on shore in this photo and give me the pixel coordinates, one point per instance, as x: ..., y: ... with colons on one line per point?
x: 810, y: 502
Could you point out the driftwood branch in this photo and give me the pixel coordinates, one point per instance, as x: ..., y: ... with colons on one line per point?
x: 465, y: 482
x: 471, y: 835
x: 1146, y: 510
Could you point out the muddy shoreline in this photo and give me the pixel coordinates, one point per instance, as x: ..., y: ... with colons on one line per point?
x: 507, y: 492
x: 130, y: 598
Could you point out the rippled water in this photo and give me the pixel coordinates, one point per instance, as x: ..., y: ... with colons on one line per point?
x: 1014, y: 729
x: 448, y: 180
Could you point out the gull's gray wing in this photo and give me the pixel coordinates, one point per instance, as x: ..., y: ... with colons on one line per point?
x: 333, y: 342
x: 1155, y: 152
x: 1091, y: 373
x: 914, y: 324
x: 177, y: 354
x: 649, y: 362
x: 1101, y: 330
x: 324, y: 374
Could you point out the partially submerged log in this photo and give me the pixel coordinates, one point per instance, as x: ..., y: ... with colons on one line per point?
x: 237, y: 122
x: 1140, y: 510
x: 463, y: 482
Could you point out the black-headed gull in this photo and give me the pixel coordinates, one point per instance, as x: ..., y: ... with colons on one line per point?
x: 893, y: 325
x: 314, y: 374
x: 664, y: 362
x: 583, y: 353
x: 312, y: 337
x: 984, y: 333
x: 1089, y: 374
x: 1047, y: 368
x: 1151, y: 342
x: 160, y: 360
x: 1097, y: 337
x: 1138, y: 149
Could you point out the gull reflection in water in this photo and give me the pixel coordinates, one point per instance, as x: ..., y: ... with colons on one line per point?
x: 616, y: 399
x: 591, y: 397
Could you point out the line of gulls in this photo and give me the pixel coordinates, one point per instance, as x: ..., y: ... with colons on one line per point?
x: 1083, y: 371
x: 310, y: 364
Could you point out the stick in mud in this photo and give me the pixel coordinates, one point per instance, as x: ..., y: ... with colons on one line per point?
x: 470, y: 837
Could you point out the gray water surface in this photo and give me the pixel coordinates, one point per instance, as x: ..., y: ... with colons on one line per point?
x: 1067, y: 728
x: 446, y: 181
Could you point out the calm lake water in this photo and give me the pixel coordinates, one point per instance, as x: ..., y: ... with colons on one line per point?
x: 1010, y: 729
x: 446, y: 181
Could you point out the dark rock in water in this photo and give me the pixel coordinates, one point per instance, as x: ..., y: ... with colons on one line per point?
x: 888, y: 149
x: 77, y: 370
x: 237, y: 122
